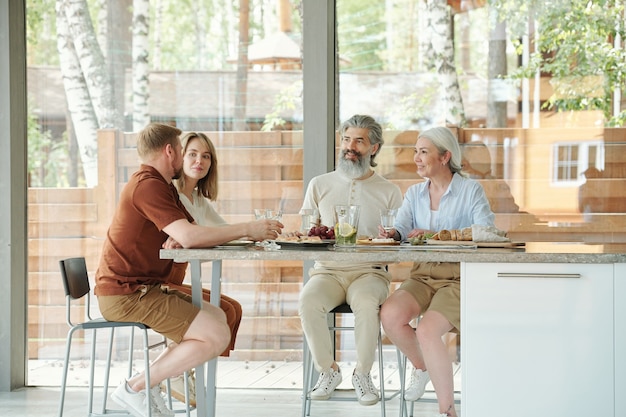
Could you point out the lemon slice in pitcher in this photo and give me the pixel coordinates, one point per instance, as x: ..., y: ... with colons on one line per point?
x: 345, y: 230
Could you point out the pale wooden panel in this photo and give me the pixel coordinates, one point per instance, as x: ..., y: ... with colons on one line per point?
x: 59, y: 212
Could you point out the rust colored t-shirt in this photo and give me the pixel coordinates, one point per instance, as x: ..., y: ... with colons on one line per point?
x: 130, y: 255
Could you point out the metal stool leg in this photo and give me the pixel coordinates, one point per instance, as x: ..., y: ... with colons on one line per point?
x: 381, y: 374
x: 309, y: 369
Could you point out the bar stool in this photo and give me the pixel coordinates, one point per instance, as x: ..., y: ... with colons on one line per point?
x: 309, y: 368
x: 76, y: 285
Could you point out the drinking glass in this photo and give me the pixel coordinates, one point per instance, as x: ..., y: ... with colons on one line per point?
x: 387, y: 218
x: 346, y: 225
x: 261, y: 213
x: 310, y: 218
x: 271, y: 215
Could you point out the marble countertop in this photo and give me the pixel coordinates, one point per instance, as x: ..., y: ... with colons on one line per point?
x: 532, y: 252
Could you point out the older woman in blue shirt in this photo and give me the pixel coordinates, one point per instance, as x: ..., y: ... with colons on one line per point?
x: 446, y: 200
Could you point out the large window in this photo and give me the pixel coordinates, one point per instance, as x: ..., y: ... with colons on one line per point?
x: 99, y: 72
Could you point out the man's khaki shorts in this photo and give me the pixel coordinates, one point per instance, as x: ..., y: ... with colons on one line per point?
x: 437, y: 286
x: 166, y: 311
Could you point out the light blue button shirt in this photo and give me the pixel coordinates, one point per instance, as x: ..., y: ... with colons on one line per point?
x: 463, y: 204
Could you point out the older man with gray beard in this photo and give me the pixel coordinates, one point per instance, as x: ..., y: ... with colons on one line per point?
x: 363, y: 286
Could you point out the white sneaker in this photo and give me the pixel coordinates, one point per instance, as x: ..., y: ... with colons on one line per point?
x: 135, y: 402
x: 417, y: 386
x: 177, y: 388
x: 326, y: 384
x: 159, y: 403
x: 365, y: 391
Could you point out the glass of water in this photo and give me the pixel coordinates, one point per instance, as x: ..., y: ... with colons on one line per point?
x: 310, y: 218
x: 271, y: 215
x: 387, y: 218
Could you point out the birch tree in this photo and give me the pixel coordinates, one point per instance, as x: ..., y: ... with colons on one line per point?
x: 441, y: 44
x: 86, y: 81
x: 141, y: 71
x: 78, y: 99
x: 91, y: 61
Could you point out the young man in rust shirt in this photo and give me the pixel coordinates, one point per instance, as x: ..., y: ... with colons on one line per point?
x: 130, y: 275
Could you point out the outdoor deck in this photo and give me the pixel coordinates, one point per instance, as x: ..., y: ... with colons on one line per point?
x: 245, y: 388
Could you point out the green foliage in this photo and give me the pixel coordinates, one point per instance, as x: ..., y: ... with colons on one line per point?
x: 47, y: 159
x: 415, y: 108
x: 206, y: 27
x: 618, y: 121
x: 574, y: 45
x: 41, y: 32
x: 361, y: 27
x: 289, y: 98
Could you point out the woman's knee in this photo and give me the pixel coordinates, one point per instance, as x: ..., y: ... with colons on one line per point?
x: 392, y: 314
x: 399, y: 309
x: 431, y: 328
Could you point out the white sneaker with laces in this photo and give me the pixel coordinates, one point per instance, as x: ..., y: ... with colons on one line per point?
x: 365, y: 391
x: 159, y: 403
x: 177, y: 387
x: 135, y: 402
x: 326, y: 384
x: 417, y: 385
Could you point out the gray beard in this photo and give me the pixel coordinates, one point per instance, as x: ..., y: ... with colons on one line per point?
x: 355, y: 169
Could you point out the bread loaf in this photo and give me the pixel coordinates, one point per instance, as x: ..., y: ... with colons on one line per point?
x: 466, y: 233
x: 445, y: 235
x: 456, y: 234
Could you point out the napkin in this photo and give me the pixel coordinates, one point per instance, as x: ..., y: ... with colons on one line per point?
x: 488, y: 234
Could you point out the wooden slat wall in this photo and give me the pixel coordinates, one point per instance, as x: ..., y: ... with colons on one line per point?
x: 260, y: 169
x: 256, y: 170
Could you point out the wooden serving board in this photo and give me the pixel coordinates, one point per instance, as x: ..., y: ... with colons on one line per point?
x: 479, y: 244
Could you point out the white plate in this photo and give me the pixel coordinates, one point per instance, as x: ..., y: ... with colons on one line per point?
x: 409, y: 247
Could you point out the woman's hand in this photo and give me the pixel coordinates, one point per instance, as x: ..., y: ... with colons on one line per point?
x: 264, y: 229
x: 384, y: 234
x: 418, y: 232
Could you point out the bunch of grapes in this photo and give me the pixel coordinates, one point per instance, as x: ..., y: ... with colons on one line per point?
x: 324, y: 232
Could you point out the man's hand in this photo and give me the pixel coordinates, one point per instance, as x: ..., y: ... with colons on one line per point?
x: 170, y: 243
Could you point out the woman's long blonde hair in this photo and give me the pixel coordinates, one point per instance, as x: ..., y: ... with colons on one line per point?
x: 207, y: 186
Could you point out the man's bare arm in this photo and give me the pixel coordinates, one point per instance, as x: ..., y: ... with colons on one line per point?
x: 190, y: 235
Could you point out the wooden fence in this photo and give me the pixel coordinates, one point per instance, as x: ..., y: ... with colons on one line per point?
x: 260, y: 169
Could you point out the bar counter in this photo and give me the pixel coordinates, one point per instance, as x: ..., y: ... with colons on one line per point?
x: 551, y: 265
x: 532, y: 252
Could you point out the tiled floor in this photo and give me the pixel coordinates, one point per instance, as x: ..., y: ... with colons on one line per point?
x: 43, y: 402
x: 259, y: 389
